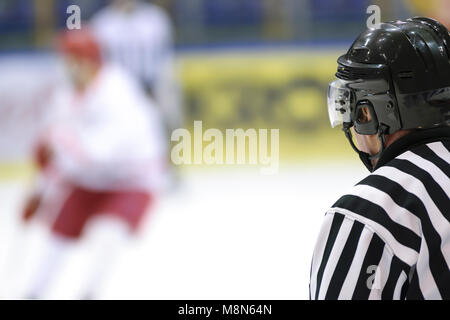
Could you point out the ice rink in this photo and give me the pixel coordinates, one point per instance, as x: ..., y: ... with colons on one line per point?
x: 225, y: 234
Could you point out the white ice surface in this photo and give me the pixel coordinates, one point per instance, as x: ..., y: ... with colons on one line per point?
x: 225, y: 234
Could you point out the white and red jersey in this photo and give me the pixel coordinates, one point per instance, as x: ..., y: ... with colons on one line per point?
x: 110, y: 137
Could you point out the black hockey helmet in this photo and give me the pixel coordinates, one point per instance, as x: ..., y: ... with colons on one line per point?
x: 400, y: 73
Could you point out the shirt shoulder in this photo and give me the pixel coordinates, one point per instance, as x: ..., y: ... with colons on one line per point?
x: 386, y: 208
x: 433, y: 157
x: 419, y: 178
x: 346, y: 253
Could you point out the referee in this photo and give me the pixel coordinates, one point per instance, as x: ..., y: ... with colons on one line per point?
x: 389, y: 237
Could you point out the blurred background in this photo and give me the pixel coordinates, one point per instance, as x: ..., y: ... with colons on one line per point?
x: 222, y: 231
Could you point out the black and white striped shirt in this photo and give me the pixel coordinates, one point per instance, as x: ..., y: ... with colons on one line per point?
x: 139, y: 40
x: 389, y: 237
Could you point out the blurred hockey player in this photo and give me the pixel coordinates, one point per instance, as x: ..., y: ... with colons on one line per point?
x: 104, y: 146
x: 138, y: 36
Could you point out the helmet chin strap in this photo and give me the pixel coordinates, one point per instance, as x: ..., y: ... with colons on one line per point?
x: 364, y: 156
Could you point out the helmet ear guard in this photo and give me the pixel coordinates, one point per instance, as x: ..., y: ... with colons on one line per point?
x: 352, y: 105
x: 355, y: 103
x: 365, y: 119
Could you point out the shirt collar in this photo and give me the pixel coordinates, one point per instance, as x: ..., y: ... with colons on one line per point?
x: 405, y: 143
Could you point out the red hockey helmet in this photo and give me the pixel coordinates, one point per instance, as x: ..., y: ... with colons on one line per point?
x: 80, y: 44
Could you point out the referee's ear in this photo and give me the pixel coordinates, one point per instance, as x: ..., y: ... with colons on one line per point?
x: 363, y: 115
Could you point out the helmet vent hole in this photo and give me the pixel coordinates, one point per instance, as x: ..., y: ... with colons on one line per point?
x: 405, y: 74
